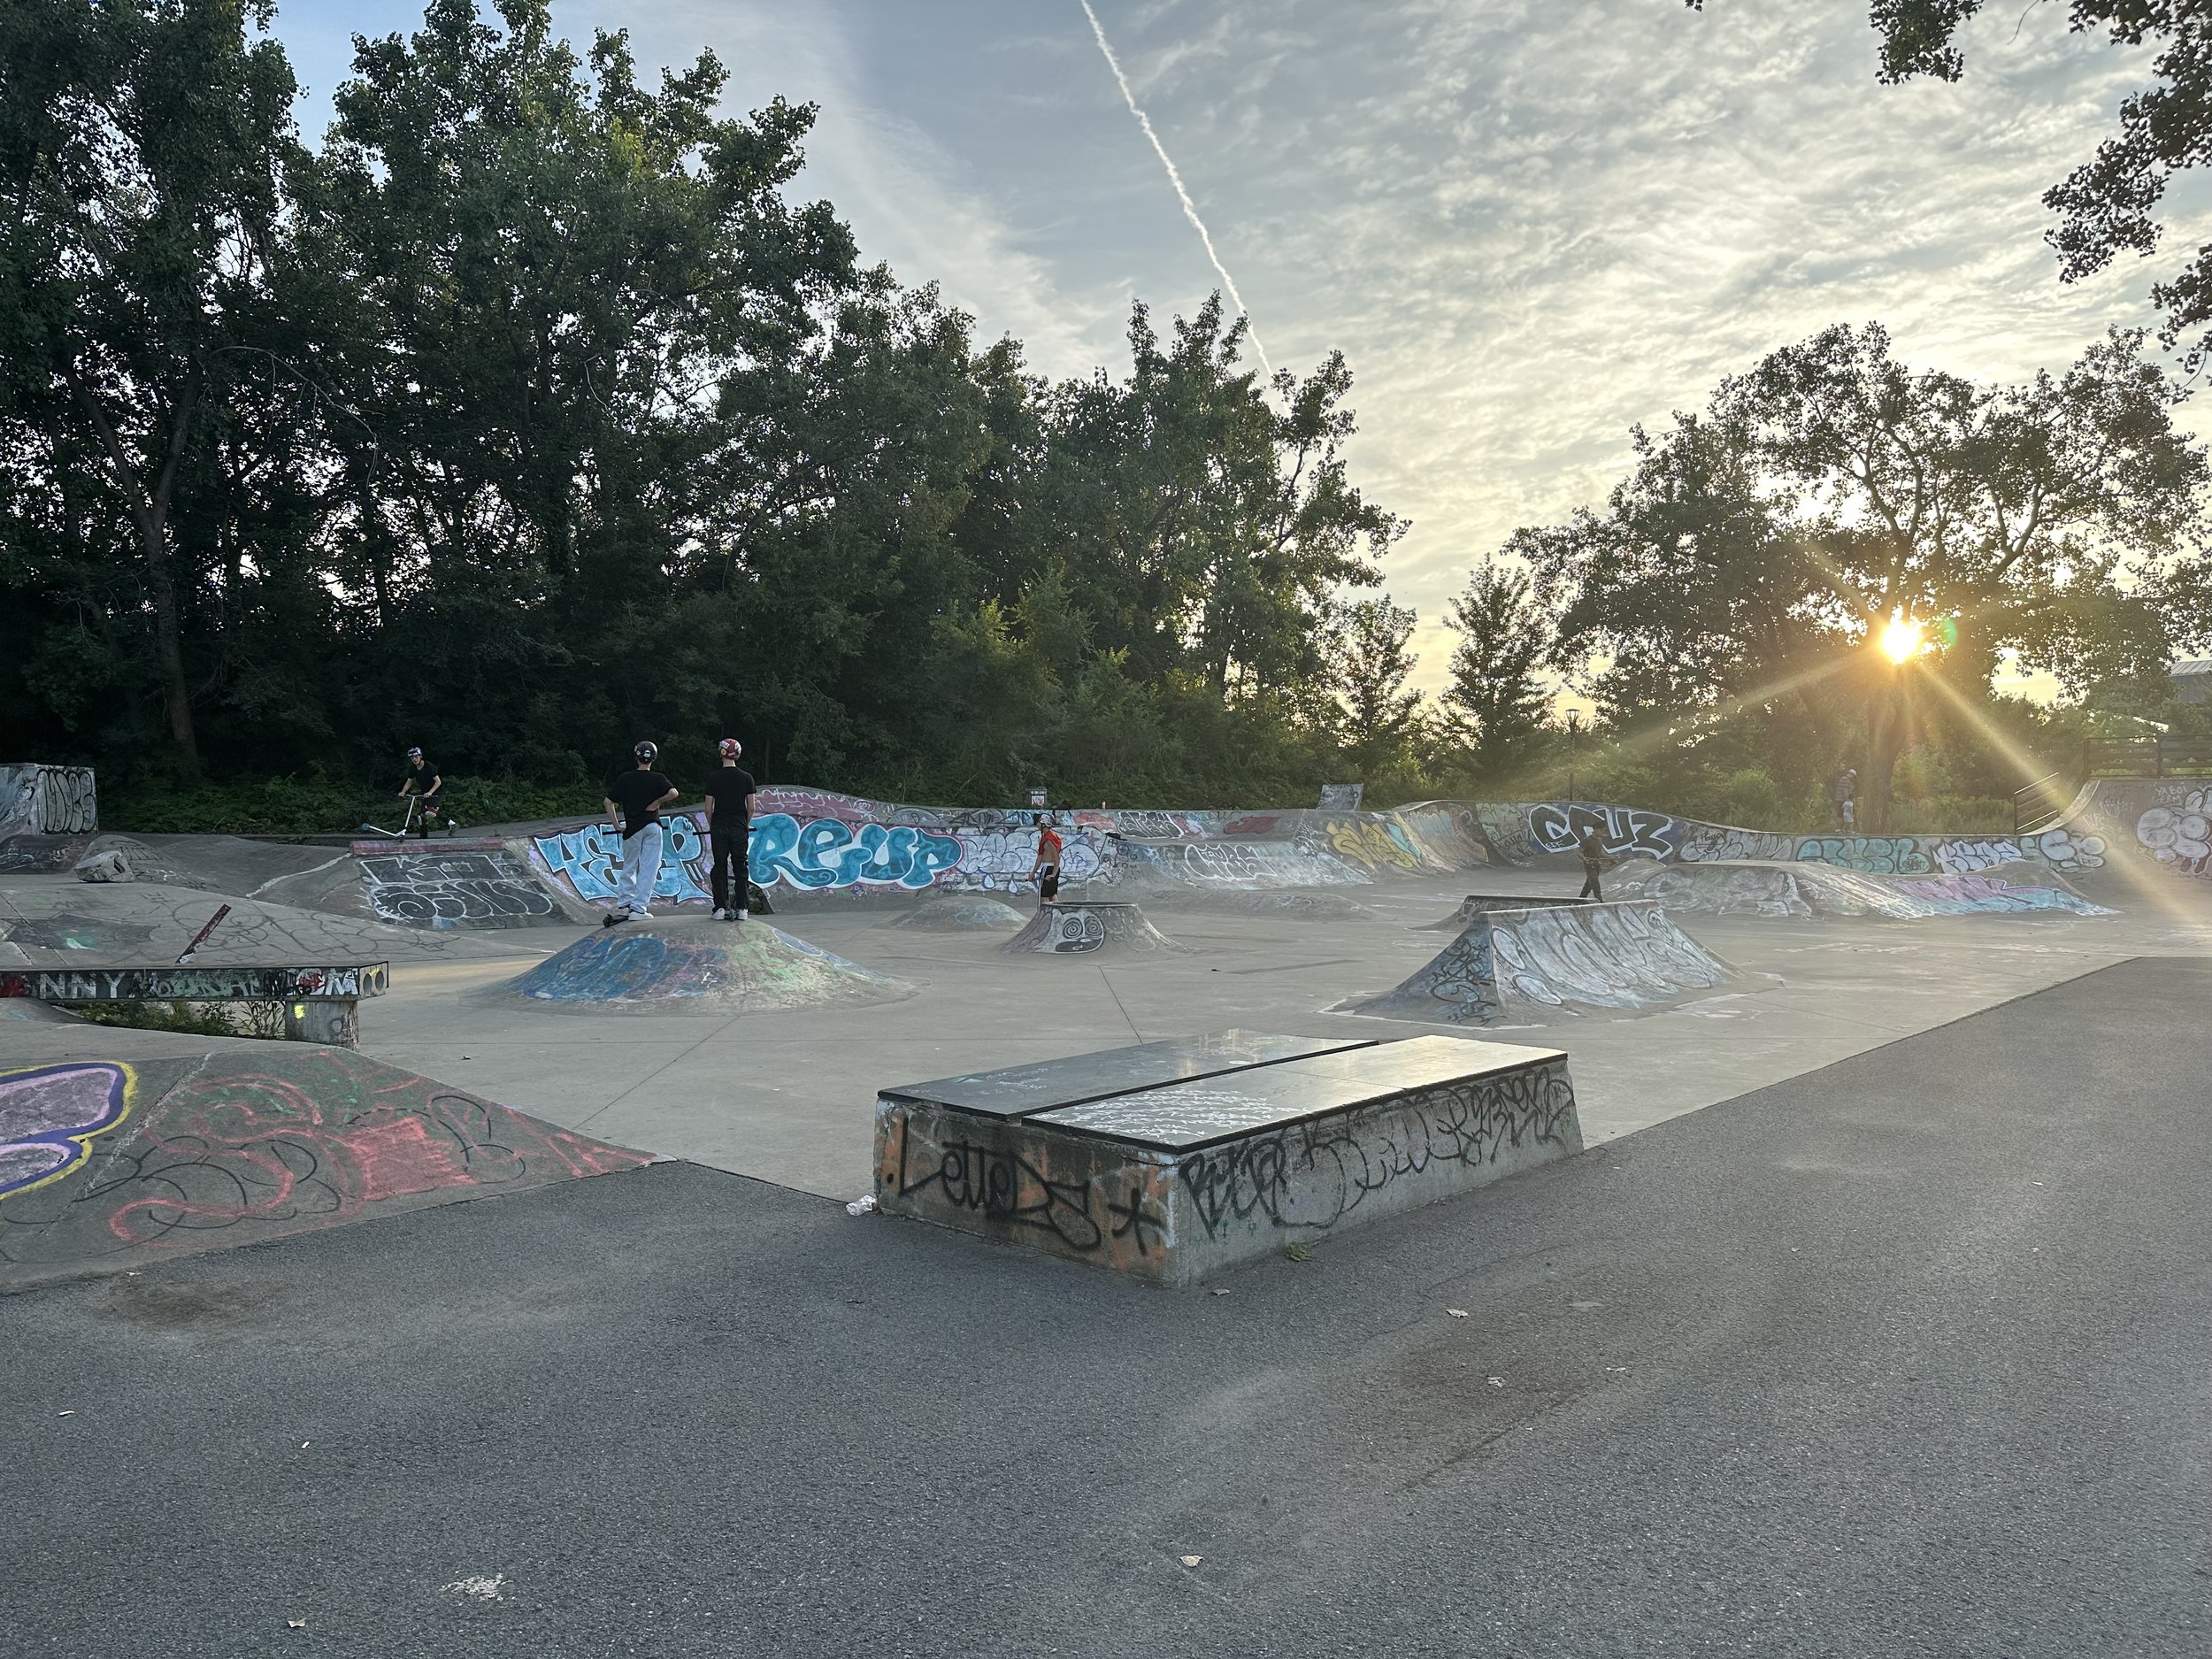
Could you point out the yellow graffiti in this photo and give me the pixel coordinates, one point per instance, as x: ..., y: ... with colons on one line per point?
x: 1370, y: 844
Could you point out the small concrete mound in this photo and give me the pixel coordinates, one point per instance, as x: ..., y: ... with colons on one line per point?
x: 1773, y: 888
x: 961, y: 914
x: 1529, y: 964
x: 695, y: 967
x: 1064, y: 927
x: 1482, y: 903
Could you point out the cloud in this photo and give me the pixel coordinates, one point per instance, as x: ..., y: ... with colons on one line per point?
x: 1531, y: 225
x: 911, y: 203
x: 1190, y: 208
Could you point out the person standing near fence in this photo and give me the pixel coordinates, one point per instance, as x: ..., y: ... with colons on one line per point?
x: 1846, y: 790
x: 729, y: 796
x: 634, y: 800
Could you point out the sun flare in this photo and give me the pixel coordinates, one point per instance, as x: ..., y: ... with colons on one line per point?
x: 1902, y: 638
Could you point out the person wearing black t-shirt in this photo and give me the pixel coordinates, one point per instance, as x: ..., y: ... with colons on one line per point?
x: 634, y: 800
x: 729, y: 796
x: 424, y: 779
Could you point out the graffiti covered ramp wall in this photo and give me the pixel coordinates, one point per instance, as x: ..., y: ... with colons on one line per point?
x: 112, y: 1165
x: 1758, y: 887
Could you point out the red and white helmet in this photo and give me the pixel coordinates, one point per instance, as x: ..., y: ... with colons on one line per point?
x: 730, y: 748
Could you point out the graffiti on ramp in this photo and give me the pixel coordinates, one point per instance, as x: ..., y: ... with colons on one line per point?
x: 105, y: 1165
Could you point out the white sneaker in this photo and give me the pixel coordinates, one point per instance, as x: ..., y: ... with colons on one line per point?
x: 640, y: 916
x: 721, y: 916
x: 737, y: 915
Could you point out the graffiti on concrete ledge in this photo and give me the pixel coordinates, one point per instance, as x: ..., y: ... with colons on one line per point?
x: 1333, y: 1164
x: 194, y: 985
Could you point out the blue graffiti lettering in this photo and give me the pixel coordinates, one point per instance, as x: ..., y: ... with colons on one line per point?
x: 830, y: 852
x: 589, y: 859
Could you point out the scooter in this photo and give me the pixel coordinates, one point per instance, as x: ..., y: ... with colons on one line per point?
x: 414, y: 804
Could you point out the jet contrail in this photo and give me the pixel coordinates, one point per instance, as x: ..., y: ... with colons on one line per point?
x: 1190, y: 208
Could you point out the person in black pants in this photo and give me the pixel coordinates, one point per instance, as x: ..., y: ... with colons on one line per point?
x: 729, y: 794
x: 1593, y: 862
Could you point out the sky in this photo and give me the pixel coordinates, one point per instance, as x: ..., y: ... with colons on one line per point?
x: 1529, y: 225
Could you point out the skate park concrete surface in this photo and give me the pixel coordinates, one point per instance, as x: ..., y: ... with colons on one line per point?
x: 1902, y: 1356
x: 786, y: 1097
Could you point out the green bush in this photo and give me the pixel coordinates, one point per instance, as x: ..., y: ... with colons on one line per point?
x: 323, y: 806
x: 197, y: 1020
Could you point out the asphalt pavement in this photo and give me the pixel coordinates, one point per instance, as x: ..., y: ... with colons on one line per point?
x: 1907, y: 1355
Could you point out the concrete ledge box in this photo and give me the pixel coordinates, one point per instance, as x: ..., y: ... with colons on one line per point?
x: 1169, y: 1162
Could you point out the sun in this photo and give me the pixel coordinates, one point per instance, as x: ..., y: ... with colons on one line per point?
x: 1902, y: 638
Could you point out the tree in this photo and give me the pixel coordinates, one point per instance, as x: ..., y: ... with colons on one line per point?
x: 1204, y: 530
x: 1377, y: 716
x: 142, y: 145
x: 1497, y: 693
x: 2108, y: 206
x: 1755, y: 549
x: 538, y: 410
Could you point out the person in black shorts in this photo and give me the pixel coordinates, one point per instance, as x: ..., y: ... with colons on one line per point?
x: 1046, y: 867
x: 729, y: 796
x: 423, y: 779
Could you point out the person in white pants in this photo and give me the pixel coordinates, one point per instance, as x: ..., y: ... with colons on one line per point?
x: 634, y: 800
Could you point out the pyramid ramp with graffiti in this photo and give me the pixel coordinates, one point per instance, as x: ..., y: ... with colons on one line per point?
x: 1065, y: 927
x: 694, y: 967
x: 107, y: 1165
x: 1530, y: 965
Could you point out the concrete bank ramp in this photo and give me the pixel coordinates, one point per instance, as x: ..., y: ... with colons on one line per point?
x: 1065, y: 927
x: 63, y: 924
x: 694, y: 967
x: 961, y: 913
x: 1534, y: 964
x: 1772, y: 888
x: 470, y: 886
x: 110, y: 1164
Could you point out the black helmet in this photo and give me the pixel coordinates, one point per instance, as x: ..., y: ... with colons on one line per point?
x: 647, y: 750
